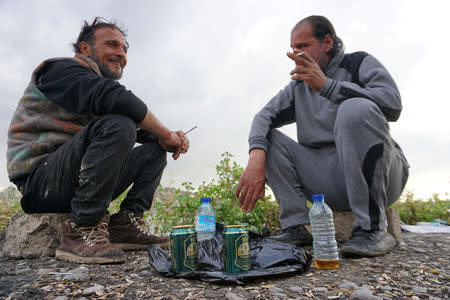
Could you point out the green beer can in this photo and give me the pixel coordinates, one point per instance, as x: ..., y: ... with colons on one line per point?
x: 183, y: 248
x: 236, y: 249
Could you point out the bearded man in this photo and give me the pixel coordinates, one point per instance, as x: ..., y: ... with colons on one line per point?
x: 71, y: 148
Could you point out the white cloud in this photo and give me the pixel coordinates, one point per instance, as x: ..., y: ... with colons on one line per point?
x: 216, y: 63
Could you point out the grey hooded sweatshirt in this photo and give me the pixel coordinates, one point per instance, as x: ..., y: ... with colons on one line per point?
x: 349, y: 75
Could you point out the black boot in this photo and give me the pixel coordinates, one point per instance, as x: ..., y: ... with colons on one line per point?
x: 296, y: 235
x: 363, y: 243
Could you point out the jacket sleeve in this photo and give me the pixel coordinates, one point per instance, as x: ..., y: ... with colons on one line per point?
x: 279, y: 111
x: 144, y: 136
x: 375, y: 83
x: 80, y: 90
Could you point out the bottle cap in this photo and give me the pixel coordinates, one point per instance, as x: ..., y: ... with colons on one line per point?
x: 205, y: 199
x: 318, y: 197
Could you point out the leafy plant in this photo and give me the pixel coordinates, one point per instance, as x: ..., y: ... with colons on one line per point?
x: 9, y: 205
x: 114, y: 205
x: 177, y: 206
x: 413, y: 210
x: 180, y: 207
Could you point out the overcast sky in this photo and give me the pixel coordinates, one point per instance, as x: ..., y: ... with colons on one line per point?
x: 214, y: 64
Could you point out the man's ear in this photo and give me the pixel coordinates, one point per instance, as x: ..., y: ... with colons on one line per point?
x: 327, y: 42
x: 85, y: 49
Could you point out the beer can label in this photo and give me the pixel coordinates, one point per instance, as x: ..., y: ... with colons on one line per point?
x: 242, y: 247
x: 191, y: 252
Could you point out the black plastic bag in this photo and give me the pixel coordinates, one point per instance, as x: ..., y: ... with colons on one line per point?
x: 268, y: 259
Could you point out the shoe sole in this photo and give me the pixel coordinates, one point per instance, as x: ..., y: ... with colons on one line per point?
x: 131, y: 247
x: 356, y: 253
x: 67, y: 256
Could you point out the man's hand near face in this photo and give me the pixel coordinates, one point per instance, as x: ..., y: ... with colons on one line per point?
x: 252, y: 182
x: 307, y: 70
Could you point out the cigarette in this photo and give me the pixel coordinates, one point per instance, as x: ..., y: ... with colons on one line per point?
x: 300, y: 54
x: 190, y: 129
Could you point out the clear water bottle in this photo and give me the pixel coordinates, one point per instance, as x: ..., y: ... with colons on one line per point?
x: 205, y: 220
x: 324, y: 242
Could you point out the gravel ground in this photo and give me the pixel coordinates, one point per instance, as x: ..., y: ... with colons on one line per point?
x: 417, y: 269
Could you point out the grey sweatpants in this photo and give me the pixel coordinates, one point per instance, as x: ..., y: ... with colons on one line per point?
x: 364, y: 170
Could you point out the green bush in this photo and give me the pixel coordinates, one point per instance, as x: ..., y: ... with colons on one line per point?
x: 178, y: 206
x: 413, y: 210
x: 9, y: 205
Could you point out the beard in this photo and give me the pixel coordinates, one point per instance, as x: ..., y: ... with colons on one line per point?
x: 106, y: 72
x: 323, y: 60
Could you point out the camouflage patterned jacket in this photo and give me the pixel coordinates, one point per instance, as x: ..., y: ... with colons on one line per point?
x: 40, y: 126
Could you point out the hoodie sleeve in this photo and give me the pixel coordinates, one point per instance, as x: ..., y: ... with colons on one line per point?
x: 279, y: 111
x: 143, y: 136
x: 80, y: 90
x: 373, y: 82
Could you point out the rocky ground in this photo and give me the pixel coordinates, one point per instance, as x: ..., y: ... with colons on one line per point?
x: 418, y: 269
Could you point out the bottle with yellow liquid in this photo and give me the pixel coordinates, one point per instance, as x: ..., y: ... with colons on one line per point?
x: 324, y: 242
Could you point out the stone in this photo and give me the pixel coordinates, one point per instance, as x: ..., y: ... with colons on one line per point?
x: 30, y: 236
x: 77, y: 277
x: 319, y: 290
x: 348, y: 285
x: 296, y: 289
x: 393, y: 221
x: 364, y: 294
x: 402, y: 246
x: 232, y: 296
x: 47, y: 288
x: 61, y: 298
x: 41, y: 272
x: 21, y: 271
x: 145, y: 273
x: 93, y: 289
x: 13, y: 295
x: 343, y: 225
x: 276, y: 289
x: 419, y: 290
x: 281, y: 295
x: 419, y: 250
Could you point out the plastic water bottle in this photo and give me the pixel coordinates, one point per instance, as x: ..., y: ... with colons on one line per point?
x: 324, y: 242
x: 205, y: 220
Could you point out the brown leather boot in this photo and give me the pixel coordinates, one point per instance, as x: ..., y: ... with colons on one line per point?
x: 87, y: 244
x: 129, y: 232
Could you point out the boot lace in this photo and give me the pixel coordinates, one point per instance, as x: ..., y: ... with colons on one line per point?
x: 140, y: 224
x: 97, y: 234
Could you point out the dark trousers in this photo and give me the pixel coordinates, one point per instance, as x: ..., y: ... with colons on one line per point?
x: 98, y: 164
